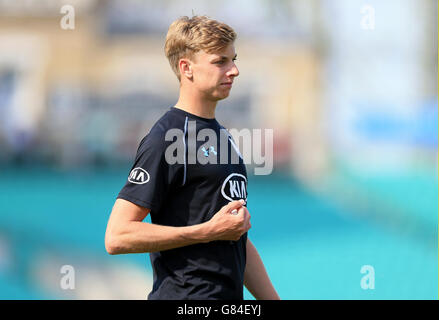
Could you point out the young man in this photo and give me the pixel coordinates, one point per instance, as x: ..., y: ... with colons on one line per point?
x: 197, y: 240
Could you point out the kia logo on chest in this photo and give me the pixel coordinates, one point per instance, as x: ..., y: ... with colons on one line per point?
x: 138, y: 176
x: 235, y: 187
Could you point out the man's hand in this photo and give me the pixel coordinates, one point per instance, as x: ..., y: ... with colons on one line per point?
x: 226, y: 225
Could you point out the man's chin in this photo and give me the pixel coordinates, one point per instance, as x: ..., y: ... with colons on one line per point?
x: 219, y: 95
x: 222, y: 96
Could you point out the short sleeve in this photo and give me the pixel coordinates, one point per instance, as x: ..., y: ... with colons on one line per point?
x: 150, y: 176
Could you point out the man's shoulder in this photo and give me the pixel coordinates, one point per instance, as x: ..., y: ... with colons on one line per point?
x: 157, y: 135
x: 169, y: 120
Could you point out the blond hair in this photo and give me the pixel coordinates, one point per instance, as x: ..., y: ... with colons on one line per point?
x: 187, y: 35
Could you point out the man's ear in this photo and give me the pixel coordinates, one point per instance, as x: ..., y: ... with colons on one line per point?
x: 185, y: 68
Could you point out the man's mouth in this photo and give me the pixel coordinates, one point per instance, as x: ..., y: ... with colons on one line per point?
x: 228, y: 84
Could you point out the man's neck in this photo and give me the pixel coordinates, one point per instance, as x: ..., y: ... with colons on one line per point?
x: 192, y: 103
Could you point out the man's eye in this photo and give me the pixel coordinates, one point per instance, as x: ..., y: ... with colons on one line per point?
x: 220, y: 62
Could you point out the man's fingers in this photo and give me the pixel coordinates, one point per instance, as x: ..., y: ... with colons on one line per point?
x: 231, y: 206
x: 240, y: 210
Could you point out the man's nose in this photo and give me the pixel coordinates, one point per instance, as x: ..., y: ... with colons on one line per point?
x: 234, y: 71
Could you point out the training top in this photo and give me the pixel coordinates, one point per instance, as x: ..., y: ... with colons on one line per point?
x: 186, y: 169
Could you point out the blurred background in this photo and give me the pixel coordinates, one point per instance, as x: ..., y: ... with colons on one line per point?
x: 349, y: 87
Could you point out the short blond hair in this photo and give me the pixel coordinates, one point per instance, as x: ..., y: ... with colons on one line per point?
x: 187, y: 35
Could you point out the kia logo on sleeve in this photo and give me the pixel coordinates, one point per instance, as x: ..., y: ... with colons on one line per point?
x: 138, y: 176
x: 235, y: 187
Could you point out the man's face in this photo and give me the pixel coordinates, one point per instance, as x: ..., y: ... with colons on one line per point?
x: 213, y: 73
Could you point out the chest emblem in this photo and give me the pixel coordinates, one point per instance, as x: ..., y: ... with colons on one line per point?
x: 206, y: 152
x: 235, y: 187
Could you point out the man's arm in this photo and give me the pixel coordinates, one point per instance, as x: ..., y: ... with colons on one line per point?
x: 126, y: 233
x: 256, y: 279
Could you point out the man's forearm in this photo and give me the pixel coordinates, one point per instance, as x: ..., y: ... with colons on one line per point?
x: 256, y: 279
x: 141, y: 237
x: 126, y: 233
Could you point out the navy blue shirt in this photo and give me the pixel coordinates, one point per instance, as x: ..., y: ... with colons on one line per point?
x: 185, y: 178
